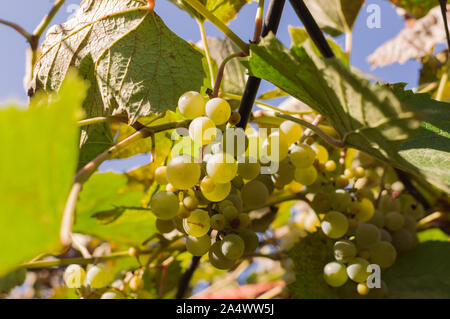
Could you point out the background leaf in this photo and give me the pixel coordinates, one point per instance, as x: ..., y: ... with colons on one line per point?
x: 40, y: 147
x: 418, y: 8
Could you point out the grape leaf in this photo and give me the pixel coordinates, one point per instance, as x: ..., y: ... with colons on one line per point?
x: 38, y: 162
x: 335, y: 16
x: 421, y: 273
x: 366, y: 116
x: 432, y: 234
x: 418, y: 8
x: 429, y: 149
x: 106, y: 191
x: 310, y: 255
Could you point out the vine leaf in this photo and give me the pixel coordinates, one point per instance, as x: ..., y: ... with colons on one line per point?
x: 421, y: 273
x: 135, y: 64
x: 40, y: 147
x: 413, y: 42
x: 417, y: 8
x: 107, y: 192
x: 335, y: 16
x: 367, y: 117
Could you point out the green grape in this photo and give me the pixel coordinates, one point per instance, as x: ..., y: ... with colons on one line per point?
x: 388, y: 204
x: 321, y: 203
x: 230, y: 212
x: 250, y: 239
x: 234, y: 142
x: 377, y: 219
x: 207, y: 184
x: 235, y: 118
x: 136, y: 283
x: 385, y: 235
x: 237, y: 182
x: 161, y: 175
x: 321, y: 153
x: 330, y: 166
x: 202, y: 130
x: 340, y: 200
x: 414, y: 210
x: 334, y: 224
x: 254, y: 194
x: 237, y: 201
x: 192, y: 105
x: 190, y: 202
x: 302, y: 156
x: 223, y: 204
x: 244, y: 220
x: 198, y: 224
x: 383, y: 254
x: 218, y: 110
x: 220, y: 192
x: 367, y: 235
x: 285, y: 174
x: 164, y: 205
x: 183, y: 172
x: 292, y: 131
x: 249, y: 168
x: 334, y: 274
x: 164, y: 226
x: 403, y: 240
x: 342, y: 181
x: 306, y: 176
x: 74, y: 276
x: 222, y: 168
x: 267, y: 181
x: 275, y: 147
x: 218, y: 222
x: 359, y: 172
x: 394, y: 221
x: 344, y: 250
x: 112, y: 295
x: 216, y: 257
x: 363, y: 210
x: 97, y: 276
x: 410, y: 224
x: 357, y: 269
x: 232, y: 246
x: 198, y: 246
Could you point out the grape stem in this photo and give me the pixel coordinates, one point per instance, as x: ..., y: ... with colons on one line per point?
x: 201, y: 26
x: 18, y: 28
x: 221, y: 70
x: 330, y: 140
x: 308, y: 131
x: 258, y: 21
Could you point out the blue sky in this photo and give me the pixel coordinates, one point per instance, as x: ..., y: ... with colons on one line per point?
x: 29, y: 12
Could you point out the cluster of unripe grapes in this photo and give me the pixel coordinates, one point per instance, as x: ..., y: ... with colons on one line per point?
x: 365, y: 234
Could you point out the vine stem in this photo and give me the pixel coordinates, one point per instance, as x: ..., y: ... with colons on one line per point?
x: 19, y: 29
x: 48, y: 18
x: 200, y: 8
x: 308, y: 131
x: 258, y: 22
x: 221, y: 70
x: 330, y: 140
x: 184, y: 282
x: 201, y: 26
x: 83, y: 175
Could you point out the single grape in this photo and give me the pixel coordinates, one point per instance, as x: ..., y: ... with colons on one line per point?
x: 377, y: 219
x: 306, y: 176
x: 363, y: 210
x: 383, y: 254
x: 237, y: 201
x: 161, y: 175
x: 385, y: 235
x: 164, y: 205
x: 267, y: 181
x: 403, y: 240
x: 249, y: 168
x: 302, y: 156
x: 216, y: 257
x: 97, y: 277
x: 342, y: 181
x: 218, y: 110
x: 285, y: 173
x: 250, y: 238
x: 170, y: 188
x: 230, y: 212
x: 275, y: 148
x: 183, y: 172
x: 136, y: 283
x: 164, y: 226
x: 334, y: 224
x: 321, y: 203
x: 348, y: 173
x: 362, y: 289
x: 207, y: 184
x: 198, y: 224
x: 222, y: 168
x: 218, y: 222
x: 223, y: 204
x: 190, y: 202
x: 198, y: 246
x: 202, y: 130
x: 254, y: 194
x: 232, y: 246
x: 388, y: 204
x: 321, y: 153
x: 74, y: 276
x: 112, y: 295
x: 220, y: 192
x: 292, y: 131
x: 340, y: 200
x: 394, y: 221
x: 344, y: 250
x: 235, y: 118
x: 359, y: 172
x: 244, y: 220
x: 330, y: 166
x: 414, y: 210
x: 367, y: 235
x: 192, y: 105
x: 334, y: 274
x: 357, y: 269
